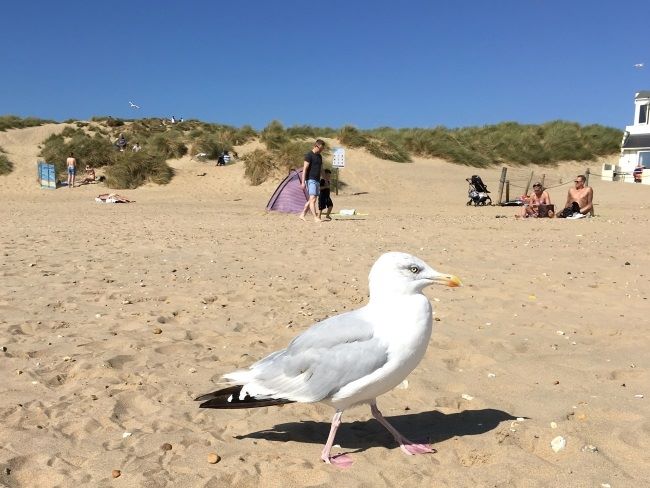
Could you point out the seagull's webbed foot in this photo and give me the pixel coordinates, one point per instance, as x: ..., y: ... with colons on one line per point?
x: 405, y: 445
x: 412, y: 448
x: 340, y: 460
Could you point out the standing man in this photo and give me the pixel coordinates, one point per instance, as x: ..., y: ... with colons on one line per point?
x: 311, y: 178
x: 72, y: 170
x: 579, y: 200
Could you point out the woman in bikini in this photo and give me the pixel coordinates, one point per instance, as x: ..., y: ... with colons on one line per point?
x: 538, y: 197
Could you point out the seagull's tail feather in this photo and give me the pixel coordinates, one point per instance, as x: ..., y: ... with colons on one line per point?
x: 229, y: 398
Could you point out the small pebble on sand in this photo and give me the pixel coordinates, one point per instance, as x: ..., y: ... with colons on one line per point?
x: 467, y: 397
x: 558, y: 443
x: 213, y: 458
x: 166, y: 446
x: 161, y: 320
x: 116, y: 473
x: 157, y: 330
x: 553, y: 425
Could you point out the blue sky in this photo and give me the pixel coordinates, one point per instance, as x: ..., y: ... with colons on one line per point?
x: 364, y: 63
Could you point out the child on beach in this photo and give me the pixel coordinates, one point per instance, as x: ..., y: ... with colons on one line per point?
x: 324, y: 200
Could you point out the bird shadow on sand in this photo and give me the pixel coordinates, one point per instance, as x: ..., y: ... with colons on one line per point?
x: 432, y: 427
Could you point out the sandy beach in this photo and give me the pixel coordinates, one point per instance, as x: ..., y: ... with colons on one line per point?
x: 113, y: 318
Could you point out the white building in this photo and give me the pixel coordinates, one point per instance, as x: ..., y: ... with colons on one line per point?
x: 635, y: 147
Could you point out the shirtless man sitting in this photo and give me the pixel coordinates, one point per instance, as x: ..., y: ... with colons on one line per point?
x: 579, y: 202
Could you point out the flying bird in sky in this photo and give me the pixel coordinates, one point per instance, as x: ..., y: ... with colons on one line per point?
x: 348, y: 359
x: 133, y: 105
x: 639, y: 65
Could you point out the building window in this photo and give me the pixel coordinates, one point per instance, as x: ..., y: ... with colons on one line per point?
x: 643, y: 114
x: 644, y: 159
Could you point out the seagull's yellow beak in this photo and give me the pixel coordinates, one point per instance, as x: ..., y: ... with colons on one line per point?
x: 448, y: 280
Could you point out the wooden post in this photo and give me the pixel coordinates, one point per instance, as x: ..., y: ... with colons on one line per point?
x: 530, y: 180
x: 507, y: 191
x: 587, y: 177
x: 336, y: 182
x: 502, y: 181
x: 543, y: 179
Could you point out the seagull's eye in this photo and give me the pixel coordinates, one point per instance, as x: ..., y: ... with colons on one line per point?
x: 414, y: 269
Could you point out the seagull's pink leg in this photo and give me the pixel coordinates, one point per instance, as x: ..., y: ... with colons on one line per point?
x: 342, y: 460
x: 406, y: 445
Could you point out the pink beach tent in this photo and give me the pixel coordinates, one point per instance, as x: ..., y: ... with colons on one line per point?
x: 288, y: 196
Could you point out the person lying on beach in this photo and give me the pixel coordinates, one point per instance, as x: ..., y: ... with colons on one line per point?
x: 111, y: 198
x: 539, y: 197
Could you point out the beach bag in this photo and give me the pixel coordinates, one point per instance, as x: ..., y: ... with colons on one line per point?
x: 569, y: 211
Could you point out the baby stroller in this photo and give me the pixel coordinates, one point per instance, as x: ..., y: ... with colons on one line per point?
x: 478, y: 192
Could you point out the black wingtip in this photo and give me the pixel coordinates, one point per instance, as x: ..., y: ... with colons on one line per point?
x: 229, y: 398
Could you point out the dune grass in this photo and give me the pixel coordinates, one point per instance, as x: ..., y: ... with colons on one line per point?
x: 261, y: 164
x: 130, y: 170
x: 6, y: 166
x: 258, y: 166
x: 508, y: 143
x: 14, y: 122
x: 123, y: 169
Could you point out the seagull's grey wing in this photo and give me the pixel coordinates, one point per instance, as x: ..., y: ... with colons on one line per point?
x: 318, y: 363
x: 346, y: 327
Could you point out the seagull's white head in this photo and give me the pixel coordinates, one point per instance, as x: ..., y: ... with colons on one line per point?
x: 401, y: 273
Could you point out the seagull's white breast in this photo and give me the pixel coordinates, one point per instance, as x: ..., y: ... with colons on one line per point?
x: 403, y: 326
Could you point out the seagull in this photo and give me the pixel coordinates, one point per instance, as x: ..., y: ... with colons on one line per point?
x: 133, y: 105
x: 639, y: 65
x: 348, y: 359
